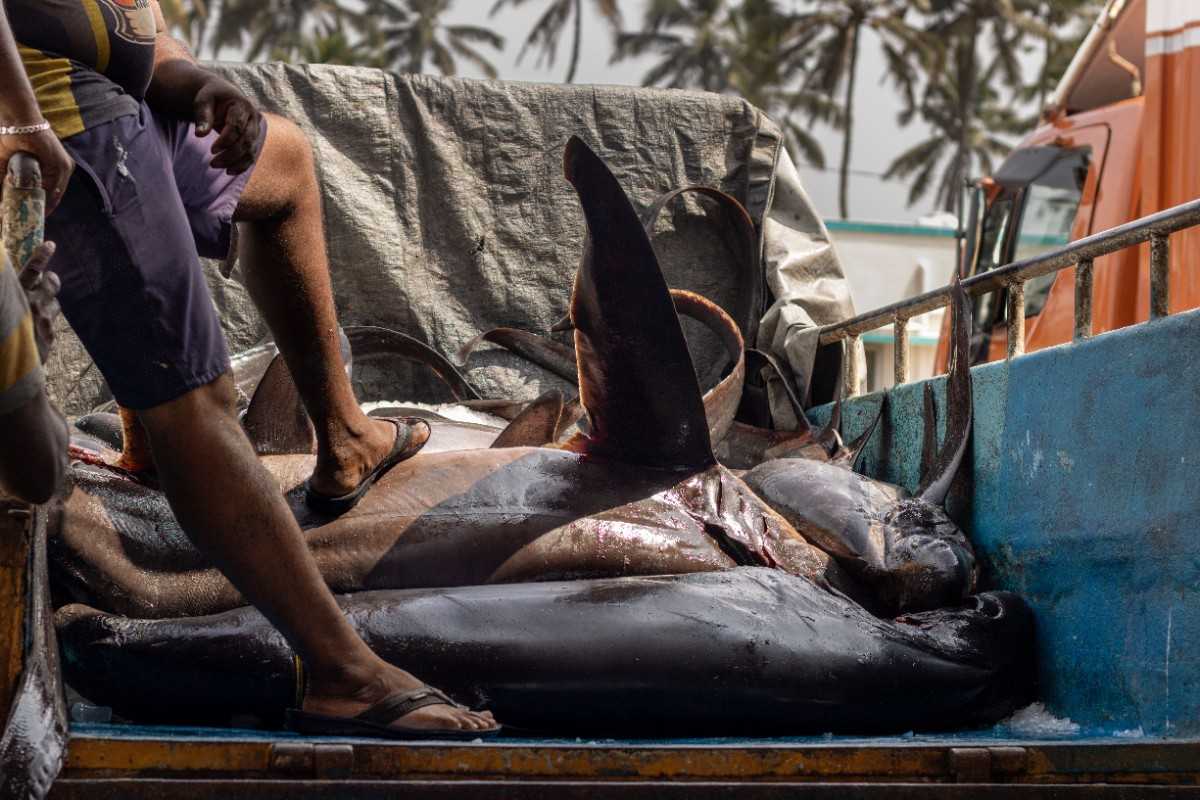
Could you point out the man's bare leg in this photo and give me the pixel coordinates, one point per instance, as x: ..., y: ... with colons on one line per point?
x: 287, y: 272
x: 252, y: 537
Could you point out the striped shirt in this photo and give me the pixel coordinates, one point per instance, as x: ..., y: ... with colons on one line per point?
x: 90, y: 61
x: 20, y: 366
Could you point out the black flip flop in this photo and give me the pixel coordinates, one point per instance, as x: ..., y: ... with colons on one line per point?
x: 401, y: 450
x: 376, y: 721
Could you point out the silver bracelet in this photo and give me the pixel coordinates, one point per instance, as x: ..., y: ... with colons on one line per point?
x: 24, y: 130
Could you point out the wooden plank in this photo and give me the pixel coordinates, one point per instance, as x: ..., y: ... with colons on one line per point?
x: 1158, y: 762
x: 15, y: 548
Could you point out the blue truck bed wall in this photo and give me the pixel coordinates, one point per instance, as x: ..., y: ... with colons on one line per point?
x: 1085, y: 501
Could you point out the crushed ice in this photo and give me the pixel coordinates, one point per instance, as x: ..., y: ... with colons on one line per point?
x: 1035, y: 721
x: 453, y: 411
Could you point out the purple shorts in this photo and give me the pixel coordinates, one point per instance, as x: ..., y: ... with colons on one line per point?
x: 143, y: 205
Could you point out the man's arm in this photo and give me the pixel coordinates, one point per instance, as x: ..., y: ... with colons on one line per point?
x: 33, y: 436
x: 182, y: 88
x: 19, y: 107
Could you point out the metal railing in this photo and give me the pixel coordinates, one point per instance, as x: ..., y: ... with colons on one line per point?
x: 1081, y: 254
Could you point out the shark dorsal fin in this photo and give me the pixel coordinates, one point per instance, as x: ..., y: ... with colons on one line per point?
x: 537, y: 425
x: 936, y: 485
x: 636, y: 377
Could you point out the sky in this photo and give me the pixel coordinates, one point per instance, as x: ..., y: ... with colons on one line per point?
x: 877, y: 136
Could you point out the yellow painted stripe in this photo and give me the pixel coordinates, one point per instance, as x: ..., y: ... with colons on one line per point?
x: 18, y: 354
x: 100, y: 30
x: 51, y: 79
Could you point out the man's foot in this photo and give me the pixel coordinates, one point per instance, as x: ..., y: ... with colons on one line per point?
x: 348, y: 696
x: 350, y: 466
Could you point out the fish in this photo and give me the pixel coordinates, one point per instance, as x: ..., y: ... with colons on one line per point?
x: 638, y: 492
x: 621, y: 582
x: 747, y: 651
x: 904, y: 547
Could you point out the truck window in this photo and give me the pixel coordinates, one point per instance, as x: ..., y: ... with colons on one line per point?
x: 993, y: 236
x: 1049, y: 205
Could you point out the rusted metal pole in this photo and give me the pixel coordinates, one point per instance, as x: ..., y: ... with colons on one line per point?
x: 900, y: 345
x: 1083, y: 300
x: 1160, y: 276
x: 1016, y: 319
x: 851, y: 372
x: 1162, y: 224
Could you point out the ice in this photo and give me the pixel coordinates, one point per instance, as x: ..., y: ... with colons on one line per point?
x: 1035, y: 721
x: 1131, y: 733
x: 452, y: 411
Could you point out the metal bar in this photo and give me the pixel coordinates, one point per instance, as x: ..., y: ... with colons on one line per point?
x: 851, y: 372
x: 1092, y: 247
x: 1083, y: 300
x: 900, y: 345
x: 1016, y: 320
x: 1160, y: 275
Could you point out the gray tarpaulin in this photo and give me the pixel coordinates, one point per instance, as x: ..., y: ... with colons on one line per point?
x: 447, y: 213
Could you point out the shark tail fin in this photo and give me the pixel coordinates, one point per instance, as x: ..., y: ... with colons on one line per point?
x: 936, y: 485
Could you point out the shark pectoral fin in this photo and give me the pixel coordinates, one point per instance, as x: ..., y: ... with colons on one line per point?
x: 936, y: 485
x: 849, y: 454
x: 572, y: 413
x: 276, y: 421
x: 537, y: 425
x: 636, y: 377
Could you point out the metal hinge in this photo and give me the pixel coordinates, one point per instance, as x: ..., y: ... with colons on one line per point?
x: 304, y: 759
x: 984, y: 764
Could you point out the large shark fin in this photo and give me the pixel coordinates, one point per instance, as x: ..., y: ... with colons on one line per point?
x: 936, y: 485
x: 276, y: 421
x: 536, y: 426
x: 636, y: 377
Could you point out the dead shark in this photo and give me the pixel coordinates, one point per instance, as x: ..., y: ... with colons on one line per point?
x: 640, y: 493
x: 906, y: 548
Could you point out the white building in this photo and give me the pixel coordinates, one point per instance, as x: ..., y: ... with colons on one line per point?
x: 886, y: 262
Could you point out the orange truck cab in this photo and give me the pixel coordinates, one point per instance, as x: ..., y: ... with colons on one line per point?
x: 1117, y: 142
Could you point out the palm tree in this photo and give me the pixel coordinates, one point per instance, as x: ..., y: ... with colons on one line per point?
x: 766, y: 58
x: 335, y: 46
x: 956, y: 141
x: 961, y: 100
x: 549, y: 28
x: 277, y: 29
x: 189, y: 21
x: 692, y: 38
x: 837, y: 26
x: 412, y: 34
x: 1068, y: 21
x: 749, y: 49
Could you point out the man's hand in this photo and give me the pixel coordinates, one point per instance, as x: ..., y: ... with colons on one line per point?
x: 221, y: 106
x: 41, y: 288
x: 56, y: 165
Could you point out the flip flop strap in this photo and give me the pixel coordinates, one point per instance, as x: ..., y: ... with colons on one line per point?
x: 401, y: 704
